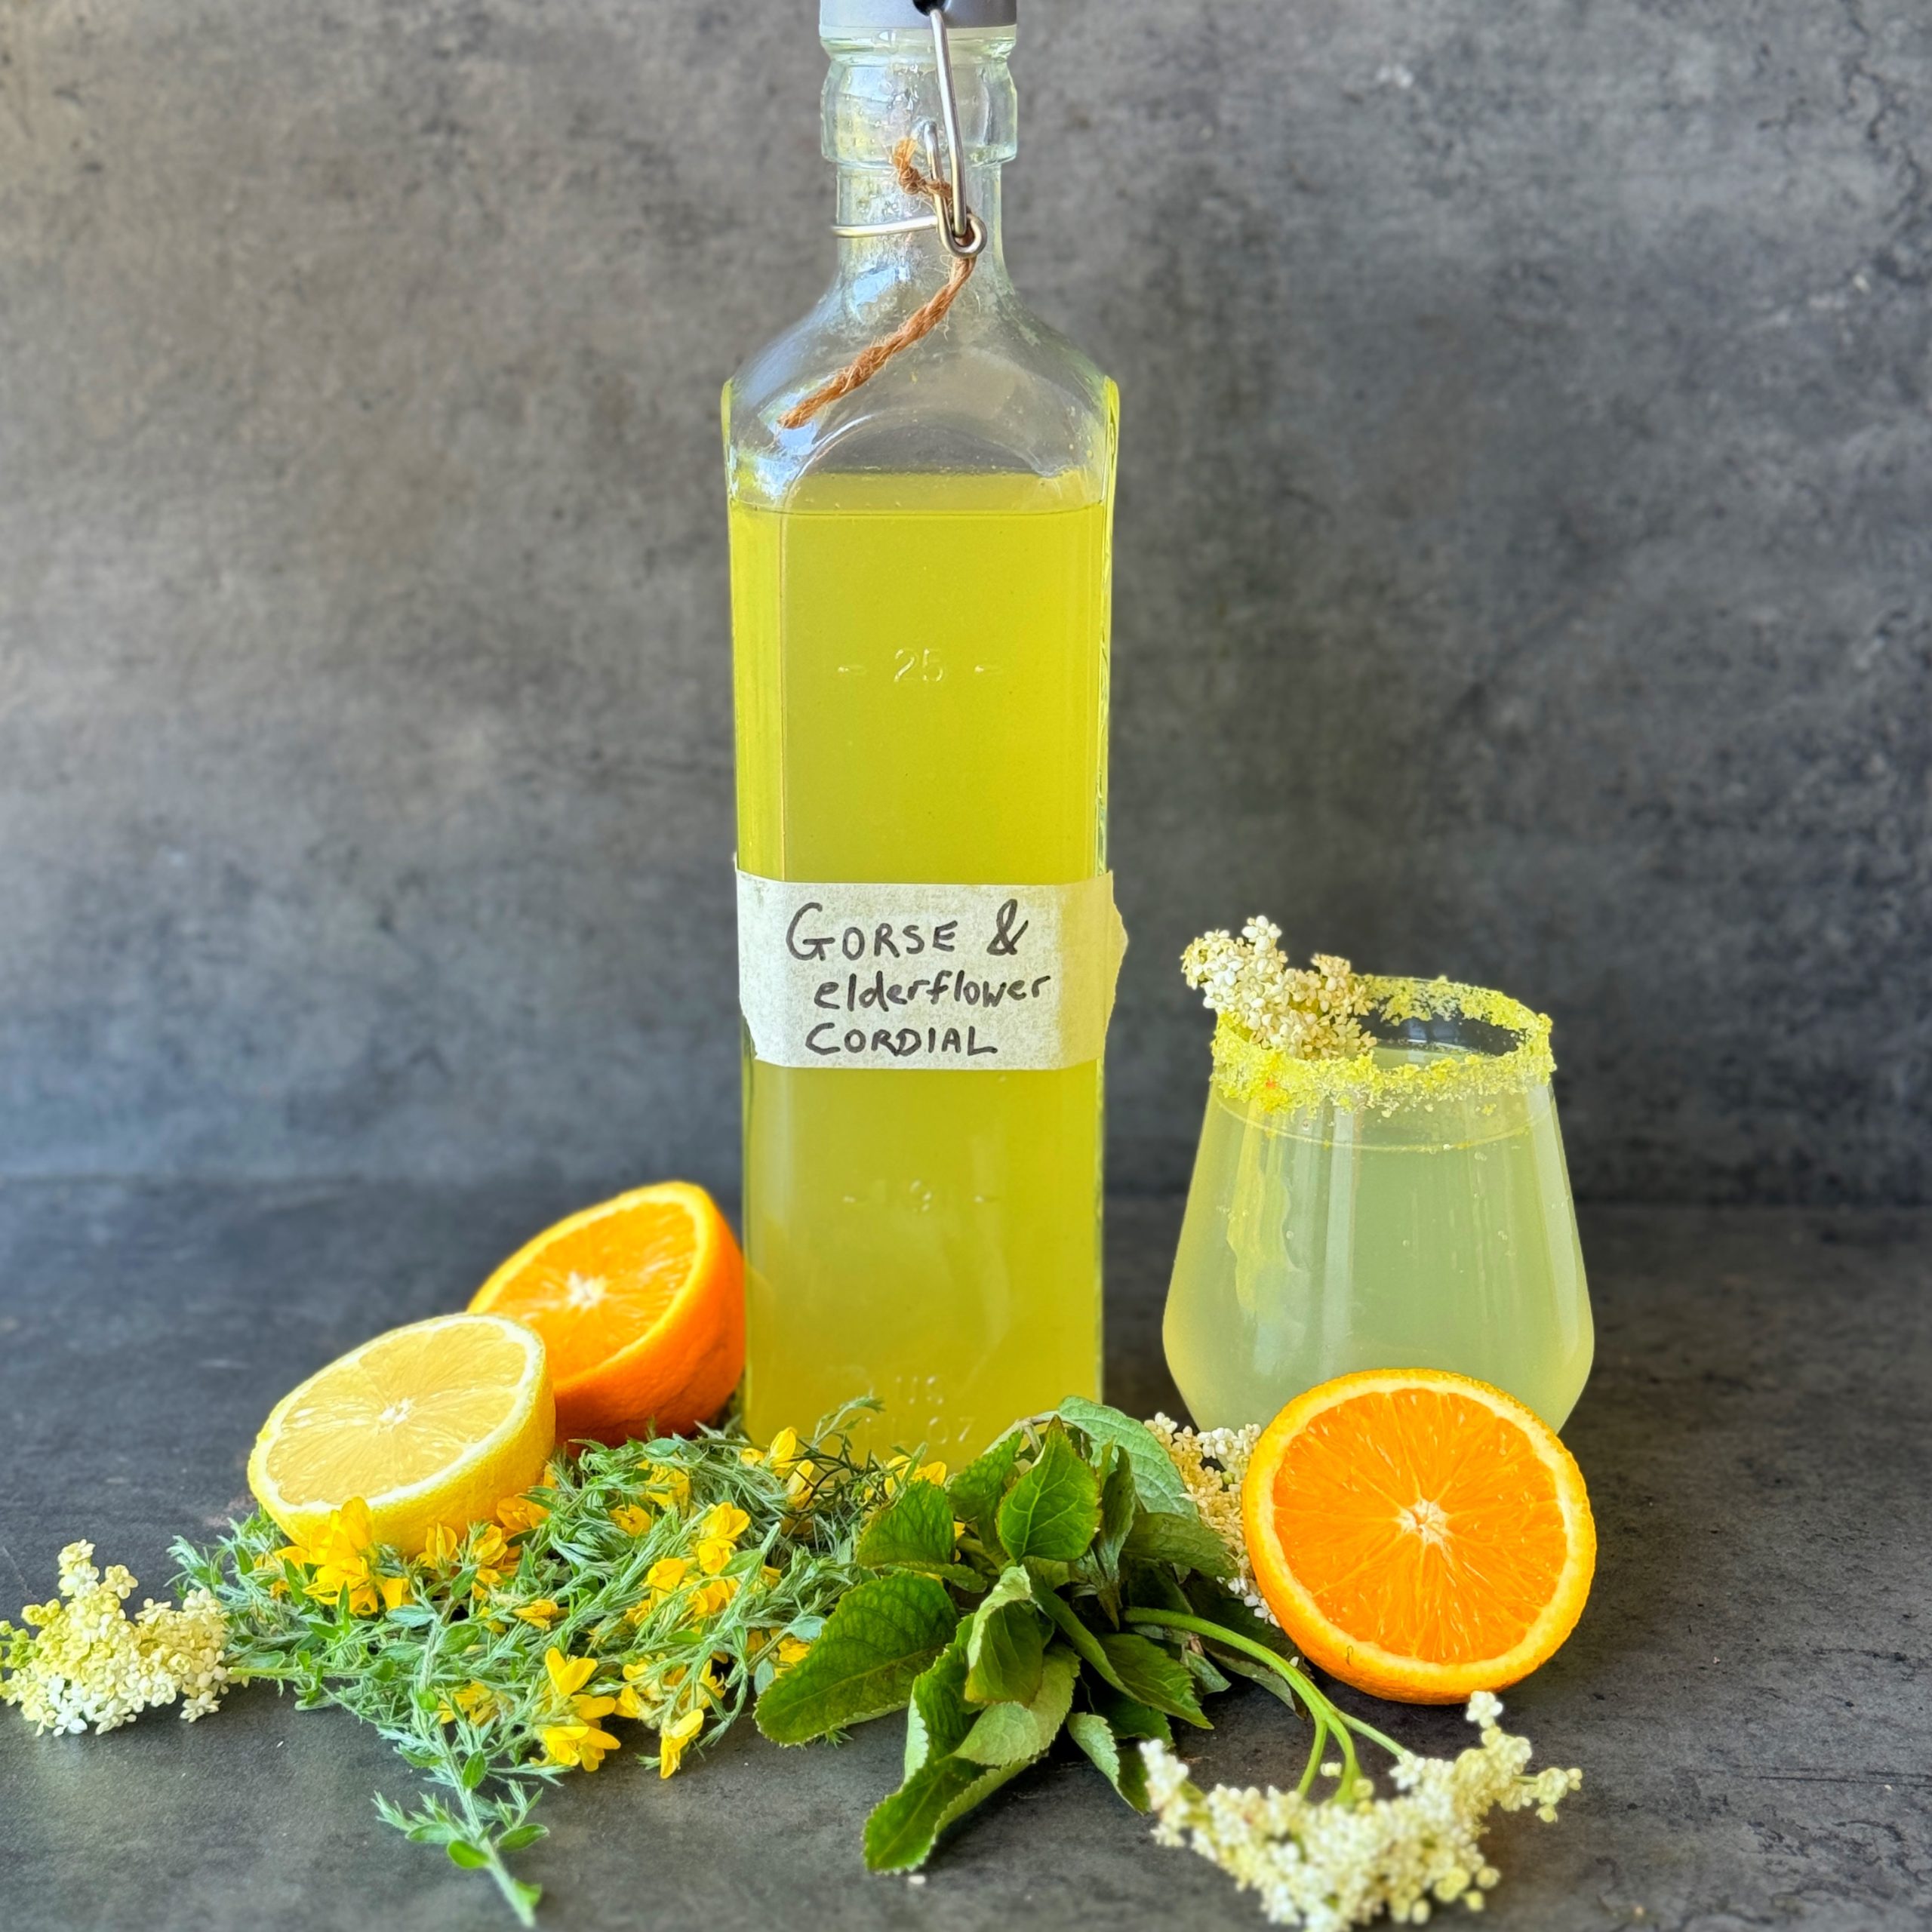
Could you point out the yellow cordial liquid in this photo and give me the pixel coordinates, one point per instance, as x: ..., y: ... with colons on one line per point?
x: 921, y: 673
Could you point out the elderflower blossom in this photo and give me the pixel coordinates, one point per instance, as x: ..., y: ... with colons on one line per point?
x: 1310, y: 1013
x: 1212, y: 1464
x: 1330, y: 1864
x: 89, y: 1664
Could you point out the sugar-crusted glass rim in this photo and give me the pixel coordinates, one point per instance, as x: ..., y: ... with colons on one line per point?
x: 1249, y: 1073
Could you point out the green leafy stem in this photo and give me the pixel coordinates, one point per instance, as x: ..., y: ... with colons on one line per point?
x: 1329, y: 1719
x: 1063, y: 1583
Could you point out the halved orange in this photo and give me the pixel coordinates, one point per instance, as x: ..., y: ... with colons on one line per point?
x: 1420, y: 1535
x: 641, y: 1304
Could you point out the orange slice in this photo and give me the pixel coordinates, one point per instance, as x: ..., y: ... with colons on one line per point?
x: 641, y: 1303
x: 1420, y: 1536
x: 432, y: 1424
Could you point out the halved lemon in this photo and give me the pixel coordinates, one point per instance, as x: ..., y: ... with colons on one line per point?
x: 641, y: 1302
x: 432, y: 1424
x: 1420, y: 1535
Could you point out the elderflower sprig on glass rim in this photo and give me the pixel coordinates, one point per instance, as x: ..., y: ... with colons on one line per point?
x: 660, y: 1584
x: 1292, y: 1039
x: 1309, y: 1012
x: 83, y: 1662
x: 1327, y: 1864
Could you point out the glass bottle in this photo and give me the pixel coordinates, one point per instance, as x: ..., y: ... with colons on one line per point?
x: 920, y: 592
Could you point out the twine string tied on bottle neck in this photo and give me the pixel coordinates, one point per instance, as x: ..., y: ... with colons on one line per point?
x: 925, y: 318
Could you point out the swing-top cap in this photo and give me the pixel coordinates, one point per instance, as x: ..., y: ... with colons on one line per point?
x: 868, y: 15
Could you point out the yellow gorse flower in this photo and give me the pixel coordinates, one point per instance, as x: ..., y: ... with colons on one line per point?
x: 517, y: 1513
x: 665, y: 1574
x: 441, y: 1550
x: 494, y: 1559
x: 543, y: 1613
x: 725, y: 1520
x: 568, y: 1674
x: 673, y: 1738
x: 631, y: 1519
x: 576, y: 1739
x: 899, y: 1471
x: 651, y: 1685
x: 582, y: 1743
x: 338, y: 1555
x: 667, y: 1488
x: 475, y: 1700
x: 714, y: 1553
x: 490, y: 1547
x: 708, y: 1599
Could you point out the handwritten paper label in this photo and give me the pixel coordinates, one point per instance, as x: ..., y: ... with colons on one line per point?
x: 987, y: 977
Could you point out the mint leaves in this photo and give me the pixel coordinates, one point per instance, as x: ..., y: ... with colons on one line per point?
x: 914, y: 1530
x: 1155, y: 1476
x: 1005, y: 1643
x: 884, y: 1633
x: 1029, y: 1624
x: 1053, y: 1509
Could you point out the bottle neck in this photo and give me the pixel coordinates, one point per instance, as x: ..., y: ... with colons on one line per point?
x: 883, y: 87
x: 868, y: 196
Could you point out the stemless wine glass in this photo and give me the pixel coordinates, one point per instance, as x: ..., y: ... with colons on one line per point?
x: 1407, y: 1209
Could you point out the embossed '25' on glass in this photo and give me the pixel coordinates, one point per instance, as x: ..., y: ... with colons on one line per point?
x: 1408, y: 1209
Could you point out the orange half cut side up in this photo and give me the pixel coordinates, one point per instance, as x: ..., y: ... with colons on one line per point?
x: 1422, y: 1536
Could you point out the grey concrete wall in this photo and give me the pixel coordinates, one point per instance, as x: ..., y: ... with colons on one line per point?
x: 1526, y: 516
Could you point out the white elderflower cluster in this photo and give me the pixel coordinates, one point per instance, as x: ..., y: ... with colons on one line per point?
x: 1213, y: 1464
x: 1309, y: 1013
x: 83, y: 1662
x: 1328, y: 1864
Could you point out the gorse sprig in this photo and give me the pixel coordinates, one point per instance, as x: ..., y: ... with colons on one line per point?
x: 662, y: 1582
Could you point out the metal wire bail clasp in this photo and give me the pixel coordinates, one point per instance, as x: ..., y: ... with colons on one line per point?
x: 962, y: 231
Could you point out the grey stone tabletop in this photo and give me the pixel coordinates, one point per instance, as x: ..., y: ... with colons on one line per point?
x: 1747, y: 1693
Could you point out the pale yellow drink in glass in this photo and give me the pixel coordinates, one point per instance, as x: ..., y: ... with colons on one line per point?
x: 921, y: 666
x: 1419, y: 1217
